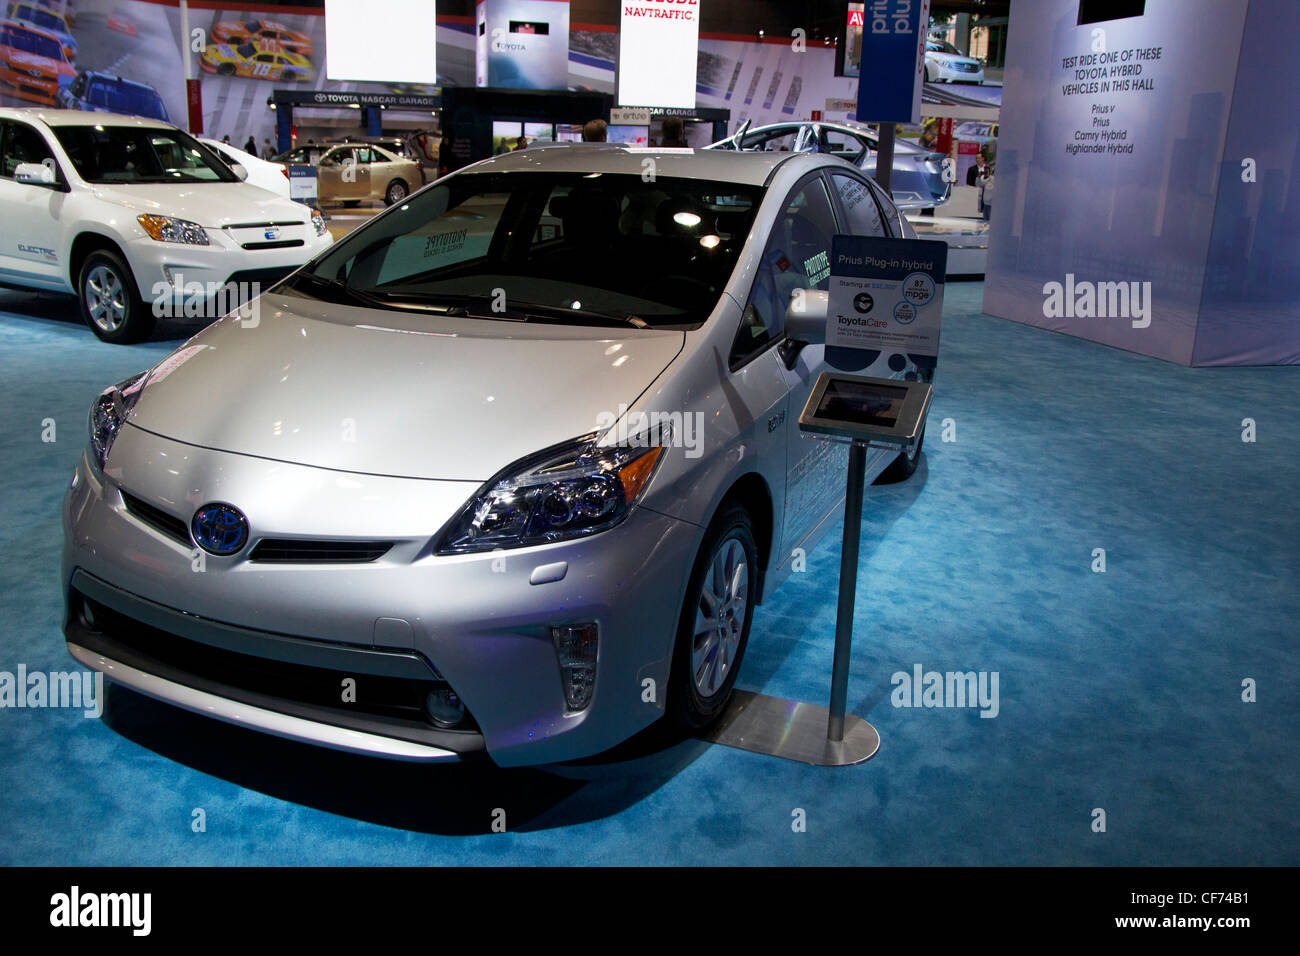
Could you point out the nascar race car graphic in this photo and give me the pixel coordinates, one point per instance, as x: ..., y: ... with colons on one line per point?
x: 236, y: 32
x: 264, y: 62
x: 31, y: 14
x: 33, y: 65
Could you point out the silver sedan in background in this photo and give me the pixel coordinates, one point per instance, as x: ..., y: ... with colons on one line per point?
x: 507, y: 470
x: 917, y: 173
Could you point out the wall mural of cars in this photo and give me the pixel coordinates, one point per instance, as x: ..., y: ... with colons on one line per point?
x: 33, y: 64
x: 36, y: 15
x: 259, y: 61
x: 106, y: 56
x: 239, y: 32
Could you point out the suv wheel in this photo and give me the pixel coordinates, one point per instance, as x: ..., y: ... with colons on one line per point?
x: 110, y: 304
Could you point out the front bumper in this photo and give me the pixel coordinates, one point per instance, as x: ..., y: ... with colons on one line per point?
x: 171, y: 274
x: 475, y: 621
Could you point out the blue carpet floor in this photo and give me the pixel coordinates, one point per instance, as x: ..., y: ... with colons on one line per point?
x: 1119, y: 691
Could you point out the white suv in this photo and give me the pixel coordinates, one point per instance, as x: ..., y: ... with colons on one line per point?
x: 137, y: 219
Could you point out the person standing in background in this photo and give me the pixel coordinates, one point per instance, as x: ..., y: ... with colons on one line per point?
x: 674, y: 132
x: 268, y: 151
x: 251, y: 146
x: 595, y: 131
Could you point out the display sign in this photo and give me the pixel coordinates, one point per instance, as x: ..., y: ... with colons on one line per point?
x: 396, y: 43
x: 658, y: 44
x: 867, y: 409
x: 302, y: 184
x: 893, y: 61
x: 522, y: 44
x: 886, y: 295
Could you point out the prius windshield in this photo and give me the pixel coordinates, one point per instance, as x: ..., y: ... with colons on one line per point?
x: 559, y: 247
x: 138, y: 154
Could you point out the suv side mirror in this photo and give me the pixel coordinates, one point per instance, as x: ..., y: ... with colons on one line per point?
x: 805, y: 316
x: 35, y: 174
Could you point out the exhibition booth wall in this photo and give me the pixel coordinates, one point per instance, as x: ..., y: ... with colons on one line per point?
x: 1144, y: 180
x: 132, y: 50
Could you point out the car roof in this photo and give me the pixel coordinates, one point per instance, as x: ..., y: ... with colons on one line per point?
x: 80, y: 118
x: 752, y: 169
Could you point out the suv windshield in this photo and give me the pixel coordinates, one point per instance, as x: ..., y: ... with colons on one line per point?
x: 547, y: 246
x: 134, y: 154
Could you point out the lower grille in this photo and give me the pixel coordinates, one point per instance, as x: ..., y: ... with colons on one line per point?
x: 274, y: 244
x: 384, y: 703
x: 289, y: 551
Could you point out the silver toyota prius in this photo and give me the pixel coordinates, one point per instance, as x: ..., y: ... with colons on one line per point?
x: 505, y: 471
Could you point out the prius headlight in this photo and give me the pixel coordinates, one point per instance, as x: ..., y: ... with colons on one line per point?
x: 169, y: 229
x: 109, y: 413
x: 568, y: 491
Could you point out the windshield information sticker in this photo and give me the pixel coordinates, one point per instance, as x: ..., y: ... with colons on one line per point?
x: 886, y: 295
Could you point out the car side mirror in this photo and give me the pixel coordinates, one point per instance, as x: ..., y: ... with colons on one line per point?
x: 805, y: 316
x: 35, y: 174
x: 239, y: 170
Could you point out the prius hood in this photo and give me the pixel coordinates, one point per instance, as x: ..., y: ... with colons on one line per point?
x: 395, y: 393
x: 212, y: 205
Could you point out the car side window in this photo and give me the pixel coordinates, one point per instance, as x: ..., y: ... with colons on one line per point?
x: 798, y: 256
x: 364, y: 155
x: 860, y: 209
x: 21, y: 144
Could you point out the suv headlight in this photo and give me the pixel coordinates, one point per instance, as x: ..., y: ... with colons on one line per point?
x: 569, y: 491
x: 109, y: 412
x: 318, y: 222
x: 168, y: 229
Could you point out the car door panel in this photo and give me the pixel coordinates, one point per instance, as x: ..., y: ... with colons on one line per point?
x: 30, y: 241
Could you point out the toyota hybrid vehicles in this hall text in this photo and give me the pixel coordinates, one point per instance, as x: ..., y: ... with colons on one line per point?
x: 131, y: 214
x: 517, y: 446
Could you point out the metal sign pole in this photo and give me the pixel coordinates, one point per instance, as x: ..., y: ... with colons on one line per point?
x: 848, y: 590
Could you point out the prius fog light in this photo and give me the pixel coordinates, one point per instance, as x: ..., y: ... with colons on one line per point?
x: 575, y: 648
x: 444, y: 708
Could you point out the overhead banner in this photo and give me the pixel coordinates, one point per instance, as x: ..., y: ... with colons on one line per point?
x: 891, y: 69
x: 395, y: 43
x: 886, y: 300
x: 657, y: 48
x: 522, y: 44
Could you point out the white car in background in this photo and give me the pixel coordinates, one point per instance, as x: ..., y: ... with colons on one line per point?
x: 273, y: 177
x: 944, y: 63
x: 138, y: 220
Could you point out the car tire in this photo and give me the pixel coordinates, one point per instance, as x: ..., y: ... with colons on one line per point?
x: 902, y: 467
x: 697, y: 692
x: 110, y: 303
x: 397, y: 191
x: 226, y: 69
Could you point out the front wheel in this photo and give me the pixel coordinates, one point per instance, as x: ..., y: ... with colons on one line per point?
x: 714, y: 625
x: 110, y: 304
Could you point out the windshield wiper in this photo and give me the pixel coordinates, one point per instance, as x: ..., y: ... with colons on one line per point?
x: 517, y: 311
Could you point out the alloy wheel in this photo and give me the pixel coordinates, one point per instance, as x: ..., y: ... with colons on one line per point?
x: 105, y: 298
x: 720, y: 617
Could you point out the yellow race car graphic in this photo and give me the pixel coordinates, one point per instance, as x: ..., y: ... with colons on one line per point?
x: 262, y: 62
